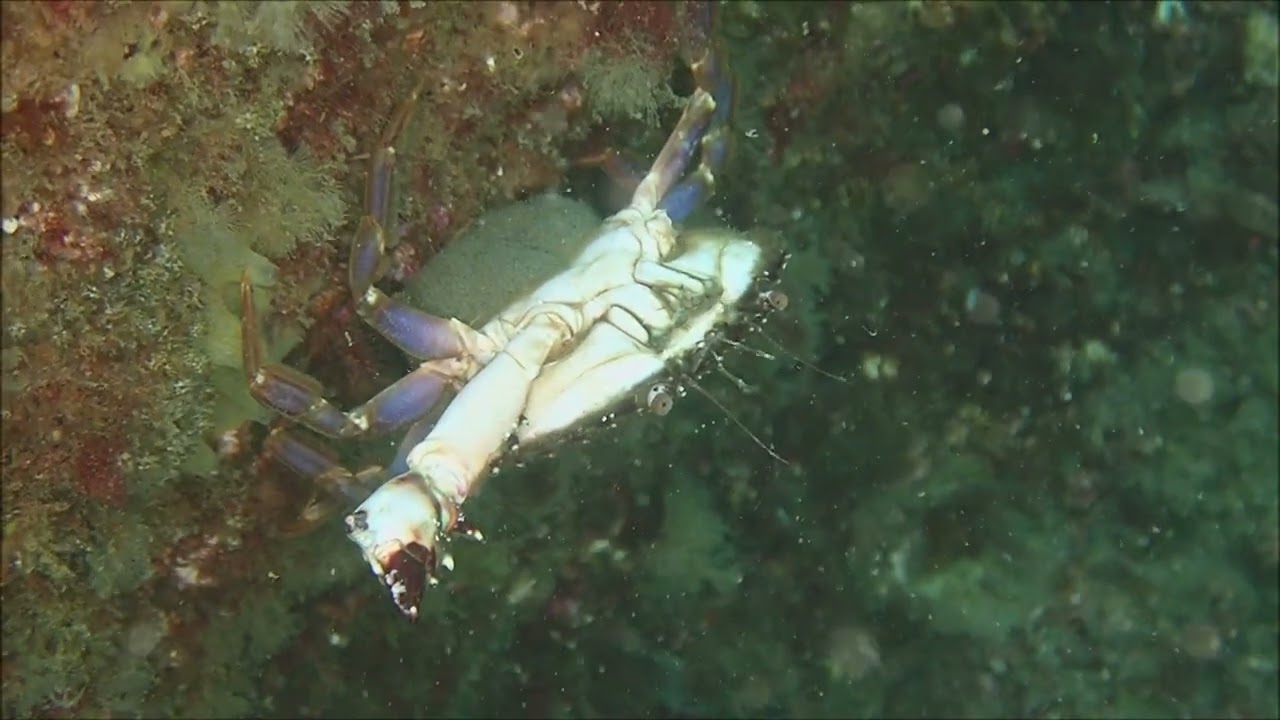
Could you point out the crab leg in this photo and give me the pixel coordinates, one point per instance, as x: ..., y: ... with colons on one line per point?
x: 418, y: 334
x: 711, y: 140
x: 701, y: 128
x: 310, y: 461
x: 300, y: 397
x: 336, y: 483
x: 675, y: 155
x: 412, y: 438
x: 450, y: 347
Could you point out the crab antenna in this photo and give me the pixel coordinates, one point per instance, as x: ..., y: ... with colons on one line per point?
x: 746, y: 387
x: 782, y: 349
x: 764, y: 446
x: 748, y: 349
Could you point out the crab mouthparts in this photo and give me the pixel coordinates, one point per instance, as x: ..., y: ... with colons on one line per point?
x: 406, y: 574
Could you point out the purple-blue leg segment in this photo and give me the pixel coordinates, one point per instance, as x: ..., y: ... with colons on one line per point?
x: 408, y: 401
x: 419, y: 334
x: 416, y: 434
x: 379, y: 201
x: 300, y: 397
x: 367, y: 248
x: 319, y: 464
x: 710, y: 137
x: 379, y: 196
x: 404, y: 401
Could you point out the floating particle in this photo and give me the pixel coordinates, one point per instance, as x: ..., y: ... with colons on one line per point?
x: 1201, y: 641
x: 852, y: 653
x: 951, y: 118
x: 981, y: 307
x: 1194, y: 386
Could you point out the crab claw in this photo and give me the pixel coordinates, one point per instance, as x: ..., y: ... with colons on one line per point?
x: 409, y: 569
x: 399, y: 528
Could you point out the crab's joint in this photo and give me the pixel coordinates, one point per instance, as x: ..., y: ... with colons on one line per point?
x: 420, y: 335
x: 308, y: 460
x: 298, y: 396
x: 367, y: 249
x: 405, y: 401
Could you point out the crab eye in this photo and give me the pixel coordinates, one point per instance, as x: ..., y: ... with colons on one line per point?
x: 659, y: 400
x: 774, y: 300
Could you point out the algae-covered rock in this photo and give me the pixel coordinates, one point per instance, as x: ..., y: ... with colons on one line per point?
x: 1262, y: 49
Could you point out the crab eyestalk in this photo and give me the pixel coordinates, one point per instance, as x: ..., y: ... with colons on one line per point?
x: 399, y: 529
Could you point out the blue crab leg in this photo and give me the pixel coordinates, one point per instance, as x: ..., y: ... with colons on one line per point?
x: 416, y: 434
x: 702, y: 129
x: 379, y: 194
x: 709, y: 137
x: 337, y: 484
x: 675, y: 155
x: 418, y: 334
x: 300, y: 397
x: 318, y: 464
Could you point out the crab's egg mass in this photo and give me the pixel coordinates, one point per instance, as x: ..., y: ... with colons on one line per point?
x: 608, y: 368
x: 502, y: 256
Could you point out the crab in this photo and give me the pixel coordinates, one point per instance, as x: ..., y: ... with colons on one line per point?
x: 640, y: 298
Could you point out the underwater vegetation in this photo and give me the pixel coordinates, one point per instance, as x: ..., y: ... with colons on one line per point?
x: 1024, y: 391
